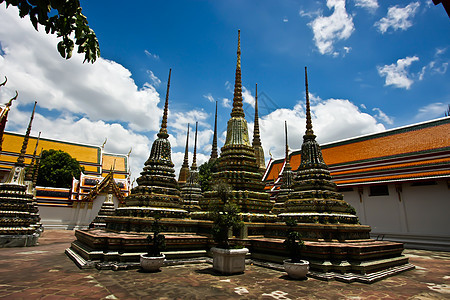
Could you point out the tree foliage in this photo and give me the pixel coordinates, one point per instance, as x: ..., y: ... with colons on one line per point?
x: 225, y: 216
x: 57, y: 168
x: 205, y: 174
x: 64, y: 18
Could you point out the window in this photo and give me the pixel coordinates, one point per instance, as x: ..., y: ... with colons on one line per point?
x: 379, y: 190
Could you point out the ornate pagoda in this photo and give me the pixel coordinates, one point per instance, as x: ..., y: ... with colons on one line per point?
x: 259, y: 151
x: 19, y: 219
x: 191, y: 192
x: 184, y: 171
x: 157, y: 192
x: 314, y: 199
x: 237, y: 164
x: 214, y: 153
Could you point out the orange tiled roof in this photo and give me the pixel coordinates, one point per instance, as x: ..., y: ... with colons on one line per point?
x: 416, y: 151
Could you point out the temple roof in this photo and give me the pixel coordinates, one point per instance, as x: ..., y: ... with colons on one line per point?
x: 417, y: 151
x: 92, y: 158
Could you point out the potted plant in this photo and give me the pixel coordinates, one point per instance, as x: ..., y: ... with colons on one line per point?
x: 295, y: 266
x: 226, y: 217
x: 154, y: 259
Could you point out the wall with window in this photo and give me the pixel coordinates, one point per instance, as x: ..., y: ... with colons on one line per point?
x: 415, y: 213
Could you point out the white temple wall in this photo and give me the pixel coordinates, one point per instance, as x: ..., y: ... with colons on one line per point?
x: 419, y: 218
x: 72, y: 217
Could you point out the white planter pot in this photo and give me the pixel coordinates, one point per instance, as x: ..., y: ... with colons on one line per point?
x: 151, y: 264
x: 296, y: 270
x: 229, y: 261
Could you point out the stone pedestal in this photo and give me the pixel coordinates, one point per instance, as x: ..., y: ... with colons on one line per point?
x: 229, y: 261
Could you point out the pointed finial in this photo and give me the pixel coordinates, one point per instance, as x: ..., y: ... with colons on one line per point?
x: 194, y: 160
x: 309, y: 130
x: 163, y: 131
x: 21, y: 159
x: 30, y: 171
x: 237, y: 110
x: 186, y: 151
x: 214, y: 153
x: 256, y: 136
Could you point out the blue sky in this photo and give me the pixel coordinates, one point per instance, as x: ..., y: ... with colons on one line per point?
x: 372, y: 65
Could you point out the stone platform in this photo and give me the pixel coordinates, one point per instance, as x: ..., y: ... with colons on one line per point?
x: 362, y: 258
x: 45, y: 272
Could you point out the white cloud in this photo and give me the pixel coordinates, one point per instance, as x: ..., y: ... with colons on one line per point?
x: 397, y: 74
x: 226, y: 102
x: 149, y: 54
x: 155, y: 80
x: 383, y: 117
x: 310, y: 14
x: 85, y: 131
x: 100, y: 91
x: 328, y: 30
x: 328, y: 124
x: 431, y: 111
x: 247, y: 96
x: 285, y: 20
x: 370, y: 5
x: 398, y: 17
x: 209, y: 97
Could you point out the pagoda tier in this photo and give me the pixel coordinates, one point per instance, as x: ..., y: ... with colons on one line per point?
x: 19, y: 218
x: 157, y: 192
x: 314, y: 199
x: 237, y: 165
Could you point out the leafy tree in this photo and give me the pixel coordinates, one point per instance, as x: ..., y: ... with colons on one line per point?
x: 64, y: 18
x: 205, y: 174
x: 57, y: 168
x: 225, y: 216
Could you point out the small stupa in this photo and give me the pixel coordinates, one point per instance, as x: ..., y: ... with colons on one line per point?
x: 157, y: 192
x: 18, y: 216
x: 184, y: 171
x: 214, y: 153
x: 237, y: 165
x: 314, y: 199
x: 259, y: 151
x: 286, y: 178
x: 191, y: 192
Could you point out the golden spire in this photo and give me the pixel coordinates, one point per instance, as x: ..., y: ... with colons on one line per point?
x: 256, y: 136
x: 194, y: 160
x: 237, y: 98
x: 21, y: 159
x: 309, y: 131
x: 163, y: 131
x: 214, y: 154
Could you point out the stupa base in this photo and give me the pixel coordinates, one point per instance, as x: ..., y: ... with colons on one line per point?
x: 21, y: 240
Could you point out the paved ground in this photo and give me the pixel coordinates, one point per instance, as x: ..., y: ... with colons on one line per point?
x: 45, y: 272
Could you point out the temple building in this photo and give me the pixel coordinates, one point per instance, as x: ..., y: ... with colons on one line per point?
x: 237, y: 164
x: 397, y: 180
x: 68, y: 208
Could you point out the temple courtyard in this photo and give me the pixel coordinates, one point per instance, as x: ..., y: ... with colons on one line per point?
x: 45, y: 272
